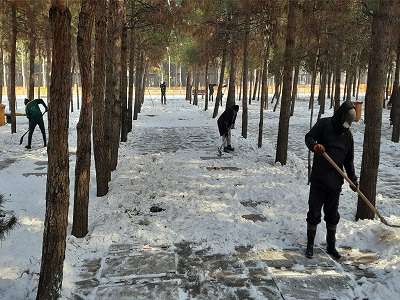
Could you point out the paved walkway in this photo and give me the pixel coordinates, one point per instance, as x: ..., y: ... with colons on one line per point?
x: 185, y: 270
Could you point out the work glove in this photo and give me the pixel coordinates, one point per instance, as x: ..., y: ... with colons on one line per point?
x: 354, y: 186
x: 319, y: 148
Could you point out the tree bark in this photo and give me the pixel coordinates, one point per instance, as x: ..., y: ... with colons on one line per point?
x: 100, y: 150
x: 322, y: 90
x: 13, y: 47
x: 206, y: 86
x: 283, y: 133
x: 84, y: 146
x: 245, y: 78
x: 32, y: 53
x: 138, y: 82
x: 57, y: 188
x: 218, y: 98
x: 131, y: 79
x: 256, y: 84
x: 264, y: 93
x: 230, y: 100
x: 251, y: 85
x: 358, y: 83
x: 118, y: 7
x: 72, y: 82
x: 196, y: 85
x: 294, y: 90
x: 189, y: 86
x: 338, y: 67
x: 124, y: 79
x: 373, y: 106
x: 111, y: 80
x: 48, y: 64
x: 1, y: 73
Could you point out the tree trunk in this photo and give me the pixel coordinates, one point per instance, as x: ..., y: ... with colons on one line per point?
x: 111, y: 81
x: 329, y: 83
x: 138, y: 82
x: 131, y: 80
x: 259, y: 85
x: 256, y: 84
x: 264, y: 93
x: 358, y: 83
x: 294, y: 90
x: 48, y: 64
x: 32, y: 53
x: 251, y: 85
x: 72, y: 82
x: 395, y: 89
x: 13, y: 53
x: 245, y: 78
x: 99, y: 143
x: 1, y: 73
x: 349, y: 78
x: 230, y: 100
x: 283, y: 133
x: 338, y: 67
x: 57, y: 188
x: 218, y: 99
x: 373, y: 106
x: 77, y: 92
x: 124, y: 79
x: 313, y: 81
x: 189, y: 86
x: 83, y: 150
x: 206, y: 87
x: 346, y: 80
x: 196, y: 85
x: 116, y: 108
x: 322, y: 90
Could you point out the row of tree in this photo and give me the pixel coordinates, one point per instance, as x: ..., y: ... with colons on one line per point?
x: 248, y: 41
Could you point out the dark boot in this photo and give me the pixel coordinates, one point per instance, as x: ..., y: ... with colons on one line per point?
x: 230, y: 148
x: 311, y: 232
x: 331, y: 241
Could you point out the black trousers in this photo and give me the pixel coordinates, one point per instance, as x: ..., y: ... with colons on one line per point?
x: 32, y: 126
x: 321, y: 196
x: 163, y: 99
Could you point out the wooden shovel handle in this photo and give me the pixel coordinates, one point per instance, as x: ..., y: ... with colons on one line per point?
x: 362, y: 196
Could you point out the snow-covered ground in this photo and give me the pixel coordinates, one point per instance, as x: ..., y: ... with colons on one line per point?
x: 165, y: 163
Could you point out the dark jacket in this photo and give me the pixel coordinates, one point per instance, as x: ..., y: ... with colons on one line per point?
x: 33, y: 111
x: 163, y: 87
x: 226, y: 120
x: 339, y: 145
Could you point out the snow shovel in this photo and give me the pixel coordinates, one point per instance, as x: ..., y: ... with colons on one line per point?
x: 362, y: 196
x: 22, y: 137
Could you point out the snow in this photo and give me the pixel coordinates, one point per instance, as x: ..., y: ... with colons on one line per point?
x: 202, y: 205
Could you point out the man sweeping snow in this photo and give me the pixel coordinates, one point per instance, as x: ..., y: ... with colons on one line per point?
x: 35, y: 117
x: 333, y: 136
x: 226, y: 122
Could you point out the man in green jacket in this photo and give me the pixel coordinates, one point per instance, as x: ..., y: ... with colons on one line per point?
x: 35, y: 117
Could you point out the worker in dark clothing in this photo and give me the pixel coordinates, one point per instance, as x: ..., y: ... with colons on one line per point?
x: 226, y: 122
x: 211, y: 90
x: 333, y: 136
x: 35, y: 117
x: 163, y: 88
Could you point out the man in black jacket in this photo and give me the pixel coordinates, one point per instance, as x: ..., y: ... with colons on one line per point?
x: 163, y: 88
x: 226, y: 122
x: 333, y: 136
